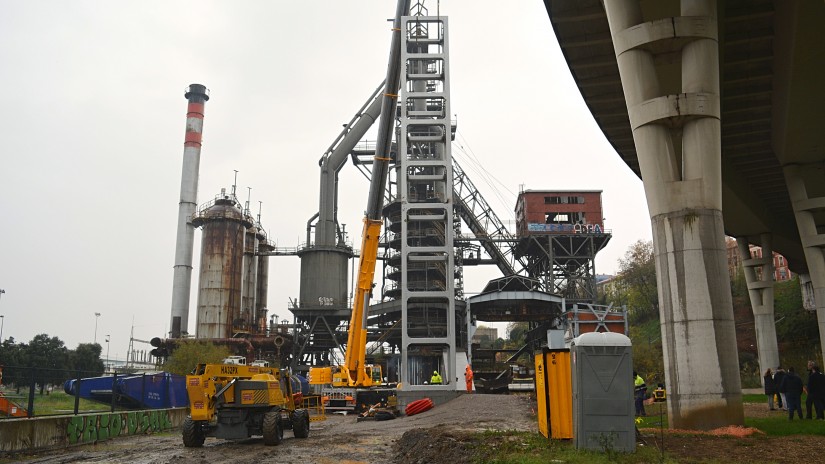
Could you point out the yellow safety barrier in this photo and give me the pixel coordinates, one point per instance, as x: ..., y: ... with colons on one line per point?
x: 315, y: 406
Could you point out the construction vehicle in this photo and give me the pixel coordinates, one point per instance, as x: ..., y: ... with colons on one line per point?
x: 236, y: 401
x: 356, y: 385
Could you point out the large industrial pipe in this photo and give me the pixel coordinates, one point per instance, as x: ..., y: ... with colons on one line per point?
x: 197, y: 95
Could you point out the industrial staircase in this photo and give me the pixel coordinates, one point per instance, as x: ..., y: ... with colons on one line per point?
x: 491, y: 232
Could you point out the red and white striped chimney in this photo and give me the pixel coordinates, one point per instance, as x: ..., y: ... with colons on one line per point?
x: 197, y: 95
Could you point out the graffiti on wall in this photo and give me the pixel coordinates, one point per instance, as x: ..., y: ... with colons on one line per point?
x: 95, y: 427
x: 575, y: 228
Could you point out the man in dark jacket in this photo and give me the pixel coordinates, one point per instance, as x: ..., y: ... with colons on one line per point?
x: 778, y: 376
x: 770, y: 388
x: 791, y: 386
x: 816, y: 391
x: 809, y: 401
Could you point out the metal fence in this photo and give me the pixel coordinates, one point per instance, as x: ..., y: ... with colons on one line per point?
x: 35, y: 391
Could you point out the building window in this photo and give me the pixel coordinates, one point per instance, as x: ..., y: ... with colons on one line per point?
x: 557, y: 218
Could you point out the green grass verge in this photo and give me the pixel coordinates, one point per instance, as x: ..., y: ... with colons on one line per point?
x: 780, y: 426
x: 57, y: 402
x: 776, y: 425
x: 532, y: 448
x: 755, y: 399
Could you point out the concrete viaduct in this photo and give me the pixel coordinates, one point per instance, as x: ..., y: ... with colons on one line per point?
x: 718, y: 107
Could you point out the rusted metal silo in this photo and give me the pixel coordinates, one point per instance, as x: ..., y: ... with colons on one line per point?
x: 262, y: 287
x: 221, y: 274
x: 250, y: 279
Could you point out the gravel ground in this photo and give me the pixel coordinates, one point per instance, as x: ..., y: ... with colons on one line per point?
x: 338, y: 440
x: 442, y: 434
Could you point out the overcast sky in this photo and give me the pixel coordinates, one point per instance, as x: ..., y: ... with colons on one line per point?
x: 92, y: 118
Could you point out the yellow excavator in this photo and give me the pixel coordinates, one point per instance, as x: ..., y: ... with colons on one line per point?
x: 356, y: 384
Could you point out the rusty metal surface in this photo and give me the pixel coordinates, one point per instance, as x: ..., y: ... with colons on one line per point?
x: 221, y: 276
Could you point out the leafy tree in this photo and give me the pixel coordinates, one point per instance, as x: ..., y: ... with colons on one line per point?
x: 647, y: 351
x: 637, y: 276
x: 49, y: 358
x: 86, y: 359
x: 796, y: 328
x: 190, y: 353
x: 518, y: 334
x: 13, y: 358
x: 738, y: 285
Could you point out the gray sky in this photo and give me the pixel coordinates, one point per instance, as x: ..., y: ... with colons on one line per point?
x: 92, y: 119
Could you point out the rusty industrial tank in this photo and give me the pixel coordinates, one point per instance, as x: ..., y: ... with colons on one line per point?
x: 221, y: 269
x: 262, y: 285
x: 250, y: 279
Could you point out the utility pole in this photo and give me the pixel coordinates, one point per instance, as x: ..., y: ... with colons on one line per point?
x: 2, y: 318
x: 107, y: 350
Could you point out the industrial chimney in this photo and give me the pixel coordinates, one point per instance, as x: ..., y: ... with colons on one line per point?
x: 197, y: 95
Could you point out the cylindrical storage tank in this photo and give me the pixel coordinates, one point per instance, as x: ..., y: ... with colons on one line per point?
x: 324, y: 278
x: 221, y: 273
x: 250, y: 279
x: 262, y: 287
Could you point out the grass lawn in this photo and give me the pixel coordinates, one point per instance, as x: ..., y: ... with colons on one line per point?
x: 775, y: 425
x: 57, y: 402
x: 530, y: 448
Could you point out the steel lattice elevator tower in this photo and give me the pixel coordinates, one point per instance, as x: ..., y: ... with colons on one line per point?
x: 425, y: 188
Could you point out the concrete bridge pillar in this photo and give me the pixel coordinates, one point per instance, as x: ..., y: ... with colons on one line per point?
x: 678, y: 144
x: 813, y: 242
x: 760, y: 291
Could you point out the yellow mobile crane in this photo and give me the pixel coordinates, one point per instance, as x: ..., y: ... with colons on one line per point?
x: 354, y: 381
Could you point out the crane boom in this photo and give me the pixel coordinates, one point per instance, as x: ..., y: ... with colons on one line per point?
x: 354, y: 368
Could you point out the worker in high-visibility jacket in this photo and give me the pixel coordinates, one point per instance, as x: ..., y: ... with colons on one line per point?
x: 639, y: 393
x: 436, y: 379
x: 468, y: 378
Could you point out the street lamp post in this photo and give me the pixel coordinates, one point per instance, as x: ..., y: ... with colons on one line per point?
x: 107, y: 350
x: 2, y: 318
x: 97, y: 315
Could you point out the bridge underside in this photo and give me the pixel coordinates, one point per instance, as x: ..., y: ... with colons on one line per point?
x: 772, y: 56
x: 716, y: 106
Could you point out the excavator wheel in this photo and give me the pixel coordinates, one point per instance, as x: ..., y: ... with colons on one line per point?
x: 193, y: 436
x: 272, y: 428
x: 300, y: 423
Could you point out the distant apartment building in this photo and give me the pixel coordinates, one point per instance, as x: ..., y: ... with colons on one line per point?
x: 491, y: 333
x: 606, y: 283
x: 780, y: 265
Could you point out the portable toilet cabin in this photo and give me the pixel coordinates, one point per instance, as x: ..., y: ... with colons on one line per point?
x: 602, y: 371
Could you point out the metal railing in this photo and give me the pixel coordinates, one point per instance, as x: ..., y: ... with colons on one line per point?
x: 28, y: 392
x: 37, y: 392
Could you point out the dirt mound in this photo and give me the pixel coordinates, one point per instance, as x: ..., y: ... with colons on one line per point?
x: 437, y: 444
